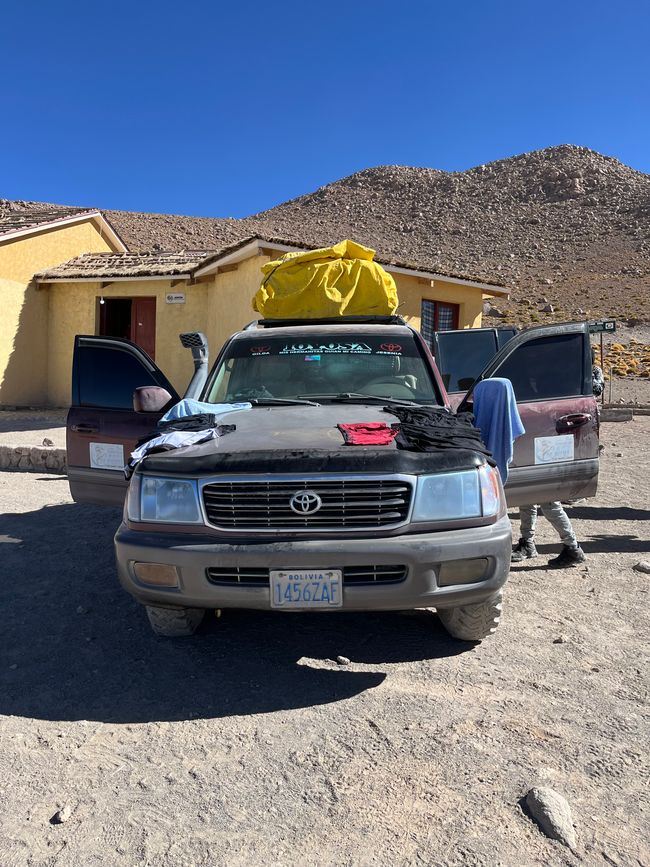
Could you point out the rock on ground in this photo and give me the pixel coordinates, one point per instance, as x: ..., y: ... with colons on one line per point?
x: 552, y: 813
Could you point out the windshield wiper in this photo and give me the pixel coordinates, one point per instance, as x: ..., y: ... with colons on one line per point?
x: 356, y: 397
x: 280, y: 401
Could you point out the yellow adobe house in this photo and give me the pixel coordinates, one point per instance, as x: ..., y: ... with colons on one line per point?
x: 29, y: 242
x: 152, y: 297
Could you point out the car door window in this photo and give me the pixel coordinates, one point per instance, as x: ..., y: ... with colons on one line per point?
x: 546, y: 368
x: 107, y: 377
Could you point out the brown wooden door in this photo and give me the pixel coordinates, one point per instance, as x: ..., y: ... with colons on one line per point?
x: 143, y: 324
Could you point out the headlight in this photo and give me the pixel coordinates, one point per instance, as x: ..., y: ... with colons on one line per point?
x: 449, y: 496
x: 169, y: 501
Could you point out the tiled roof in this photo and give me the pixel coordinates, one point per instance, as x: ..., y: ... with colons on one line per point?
x: 99, y: 266
x: 382, y: 260
x: 18, y: 216
x: 104, y: 266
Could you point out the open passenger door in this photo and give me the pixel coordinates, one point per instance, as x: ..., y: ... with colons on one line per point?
x: 102, y: 426
x: 550, y: 370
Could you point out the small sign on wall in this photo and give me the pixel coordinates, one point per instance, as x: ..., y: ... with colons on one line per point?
x: 175, y: 298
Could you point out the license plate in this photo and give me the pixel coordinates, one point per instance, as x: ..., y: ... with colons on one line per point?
x: 302, y: 588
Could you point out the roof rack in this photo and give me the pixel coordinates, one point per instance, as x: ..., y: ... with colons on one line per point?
x: 330, y: 320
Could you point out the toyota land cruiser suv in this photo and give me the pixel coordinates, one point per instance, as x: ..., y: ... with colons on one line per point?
x: 280, y: 513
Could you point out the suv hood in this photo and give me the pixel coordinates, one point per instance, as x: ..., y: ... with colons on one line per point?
x: 302, y: 439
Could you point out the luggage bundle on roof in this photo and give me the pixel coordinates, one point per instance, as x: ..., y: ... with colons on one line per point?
x: 342, y: 280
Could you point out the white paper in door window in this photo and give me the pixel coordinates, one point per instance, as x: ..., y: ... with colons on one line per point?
x: 107, y: 456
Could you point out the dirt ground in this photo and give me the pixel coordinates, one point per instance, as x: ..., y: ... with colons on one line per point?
x: 31, y: 427
x: 247, y: 744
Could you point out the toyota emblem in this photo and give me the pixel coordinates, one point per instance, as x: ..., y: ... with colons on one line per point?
x: 305, y: 502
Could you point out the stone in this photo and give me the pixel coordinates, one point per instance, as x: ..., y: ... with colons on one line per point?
x: 38, y: 456
x: 47, y: 441
x: 552, y: 813
x: 53, y: 461
x: 548, y: 309
x: 642, y: 566
x: 342, y: 660
x: 62, y: 815
x: 561, y: 639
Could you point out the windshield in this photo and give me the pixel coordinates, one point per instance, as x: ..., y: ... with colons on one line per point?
x: 324, y: 367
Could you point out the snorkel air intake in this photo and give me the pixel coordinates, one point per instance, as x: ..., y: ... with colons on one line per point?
x: 198, y: 343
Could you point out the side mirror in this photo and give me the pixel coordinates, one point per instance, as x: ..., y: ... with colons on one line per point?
x: 151, y: 398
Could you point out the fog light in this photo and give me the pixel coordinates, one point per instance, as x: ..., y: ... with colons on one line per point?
x: 462, y: 571
x: 156, y: 574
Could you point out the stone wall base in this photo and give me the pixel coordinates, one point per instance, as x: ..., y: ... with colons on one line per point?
x: 35, y: 459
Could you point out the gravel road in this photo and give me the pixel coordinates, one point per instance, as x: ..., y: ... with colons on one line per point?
x: 248, y: 744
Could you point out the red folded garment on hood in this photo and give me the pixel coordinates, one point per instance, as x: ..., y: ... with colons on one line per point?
x: 373, y: 433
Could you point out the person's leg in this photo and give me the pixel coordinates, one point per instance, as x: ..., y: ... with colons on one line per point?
x: 525, y: 548
x: 571, y: 553
x: 528, y: 519
x: 559, y: 520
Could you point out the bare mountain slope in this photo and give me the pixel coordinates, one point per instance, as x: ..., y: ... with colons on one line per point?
x: 565, y: 223
x: 565, y: 226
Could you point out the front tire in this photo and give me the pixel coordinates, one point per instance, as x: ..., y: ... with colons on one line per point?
x: 174, y: 622
x: 473, y: 622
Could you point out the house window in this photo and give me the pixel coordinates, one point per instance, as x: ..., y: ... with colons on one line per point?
x: 437, y: 316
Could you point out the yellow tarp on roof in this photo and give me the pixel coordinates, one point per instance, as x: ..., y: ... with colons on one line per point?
x: 334, y: 281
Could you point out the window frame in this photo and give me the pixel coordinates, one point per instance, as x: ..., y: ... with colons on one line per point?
x: 436, y: 317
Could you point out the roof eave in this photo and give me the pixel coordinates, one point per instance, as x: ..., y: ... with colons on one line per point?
x: 105, y: 228
x: 244, y: 251
x: 254, y: 245
x: 107, y: 278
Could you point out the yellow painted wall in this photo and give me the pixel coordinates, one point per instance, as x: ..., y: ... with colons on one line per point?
x: 411, y: 291
x: 74, y: 310
x: 229, y: 300
x: 24, y: 308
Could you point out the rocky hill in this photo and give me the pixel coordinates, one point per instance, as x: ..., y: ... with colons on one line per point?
x: 566, y: 228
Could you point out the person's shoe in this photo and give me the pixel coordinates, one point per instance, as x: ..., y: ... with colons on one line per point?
x: 524, y: 550
x: 568, y: 557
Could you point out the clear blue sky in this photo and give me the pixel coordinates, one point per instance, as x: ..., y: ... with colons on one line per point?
x: 227, y: 108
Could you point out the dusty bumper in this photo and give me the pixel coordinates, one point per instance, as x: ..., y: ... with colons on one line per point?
x: 422, y: 554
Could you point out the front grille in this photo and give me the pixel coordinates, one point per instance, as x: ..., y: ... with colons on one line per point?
x: 346, y: 504
x: 237, y: 575
x: 254, y: 577
x: 373, y: 574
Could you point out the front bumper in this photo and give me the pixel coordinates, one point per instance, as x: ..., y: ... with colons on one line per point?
x: 422, y: 554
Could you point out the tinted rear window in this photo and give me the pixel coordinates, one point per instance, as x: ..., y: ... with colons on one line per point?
x: 461, y: 356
